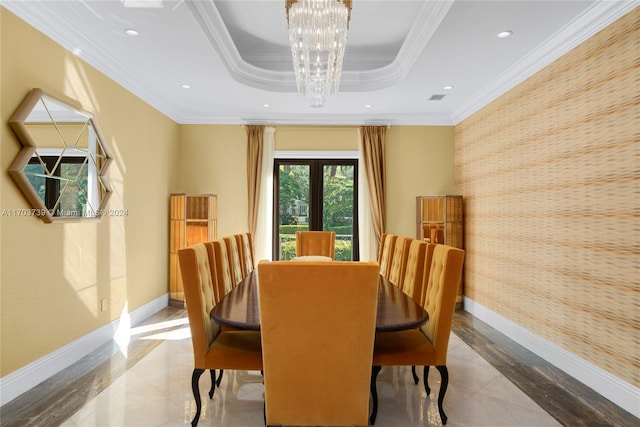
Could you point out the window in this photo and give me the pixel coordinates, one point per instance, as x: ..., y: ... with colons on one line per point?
x: 316, y: 194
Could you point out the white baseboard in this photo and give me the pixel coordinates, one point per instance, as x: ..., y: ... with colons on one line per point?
x: 609, y: 386
x: 25, y: 378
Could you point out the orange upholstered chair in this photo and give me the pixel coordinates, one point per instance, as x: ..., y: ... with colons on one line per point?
x: 321, y: 243
x: 220, y: 276
x: 416, y: 275
x: 212, y: 348
x: 317, y: 341
x: 399, y: 260
x: 428, y: 345
x: 385, y: 254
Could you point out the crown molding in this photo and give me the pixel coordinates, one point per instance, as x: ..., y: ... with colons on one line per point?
x: 591, y: 21
x: 214, y: 28
x: 55, y: 27
x: 427, y: 21
x: 594, y: 19
x: 328, y: 119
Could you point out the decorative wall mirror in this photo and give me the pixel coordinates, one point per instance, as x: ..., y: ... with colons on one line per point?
x: 62, y: 166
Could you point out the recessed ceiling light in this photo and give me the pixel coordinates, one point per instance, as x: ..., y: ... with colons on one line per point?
x: 503, y: 34
x: 185, y: 86
x: 449, y: 87
x: 266, y: 105
x: 368, y: 105
x: 131, y: 32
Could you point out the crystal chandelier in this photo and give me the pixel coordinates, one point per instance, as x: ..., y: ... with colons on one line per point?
x: 318, y: 35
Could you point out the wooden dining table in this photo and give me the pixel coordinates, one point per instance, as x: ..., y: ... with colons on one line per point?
x: 239, y: 309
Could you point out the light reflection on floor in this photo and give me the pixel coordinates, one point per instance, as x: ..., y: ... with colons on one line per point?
x: 157, y: 392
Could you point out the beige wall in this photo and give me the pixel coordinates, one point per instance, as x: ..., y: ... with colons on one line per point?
x: 310, y: 138
x: 53, y: 276
x: 550, y: 176
x: 419, y: 162
x: 213, y: 160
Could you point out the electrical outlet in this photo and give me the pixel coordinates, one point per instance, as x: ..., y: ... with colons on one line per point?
x: 103, y: 304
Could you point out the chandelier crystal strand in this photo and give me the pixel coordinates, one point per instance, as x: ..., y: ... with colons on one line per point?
x: 318, y: 36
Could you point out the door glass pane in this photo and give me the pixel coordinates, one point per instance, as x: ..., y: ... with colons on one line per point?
x: 338, y: 207
x: 293, y: 206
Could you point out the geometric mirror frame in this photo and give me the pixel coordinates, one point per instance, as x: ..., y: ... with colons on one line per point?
x: 62, y: 167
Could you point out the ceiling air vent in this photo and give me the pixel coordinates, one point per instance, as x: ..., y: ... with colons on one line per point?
x: 436, y: 97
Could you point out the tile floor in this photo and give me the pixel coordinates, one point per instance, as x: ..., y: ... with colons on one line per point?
x: 150, y: 386
x: 156, y: 392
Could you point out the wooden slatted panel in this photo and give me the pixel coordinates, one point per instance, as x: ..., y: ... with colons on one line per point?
x: 192, y: 220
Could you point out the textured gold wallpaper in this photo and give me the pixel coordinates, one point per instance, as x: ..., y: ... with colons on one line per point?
x: 550, y: 175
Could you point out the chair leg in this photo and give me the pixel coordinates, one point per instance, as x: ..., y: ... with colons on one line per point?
x: 195, y: 378
x: 219, y: 378
x: 415, y: 376
x: 213, y: 383
x: 444, y: 375
x: 374, y: 394
x: 425, y: 377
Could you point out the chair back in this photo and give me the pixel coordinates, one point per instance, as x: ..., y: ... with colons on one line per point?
x: 321, y: 243
x: 386, y: 254
x: 318, y: 327
x: 217, y: 294
x: 245, y: 248
x: 399, y: 260
x: 235, y: 267
x: 199, y: 297
x: 441, y: 293
x: 223, y: 281
x: 428, y: 259
x: 417, y: 269
x: 381, y: 246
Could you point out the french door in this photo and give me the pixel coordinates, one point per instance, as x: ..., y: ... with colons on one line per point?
x: 315, y: 194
